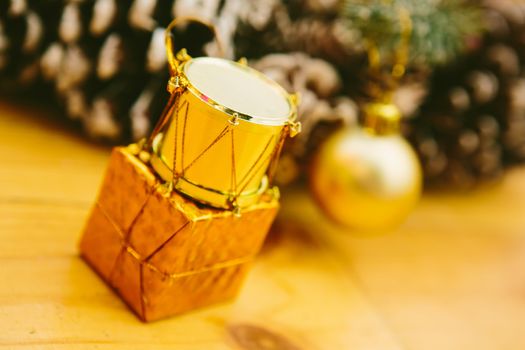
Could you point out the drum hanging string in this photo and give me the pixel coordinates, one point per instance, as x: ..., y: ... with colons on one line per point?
x: 174, y: 61
x: 174, y: 161
x: 249, y: 175
x: 223, y: 133
x: 259, y: 167
x: 183, y: 139
x: 290, y: 129
x: 234, y: 170
x: 171, y: 108
x: 163, y: 120
x: 273, y: 161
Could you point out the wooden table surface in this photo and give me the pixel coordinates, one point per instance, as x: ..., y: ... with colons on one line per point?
x: 452, y: 277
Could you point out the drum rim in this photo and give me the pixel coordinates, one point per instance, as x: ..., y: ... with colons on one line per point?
x: 258, y: 120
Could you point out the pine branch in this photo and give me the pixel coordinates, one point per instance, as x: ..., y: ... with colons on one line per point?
x: 440, y: 28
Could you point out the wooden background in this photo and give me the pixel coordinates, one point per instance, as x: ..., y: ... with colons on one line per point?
x: 453, y: 277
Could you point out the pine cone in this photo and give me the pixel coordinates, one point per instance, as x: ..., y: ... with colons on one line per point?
x: 312, y: 27
x: 104, y: 59
x: 472, y: 123
x: 321, y: 110
x: 25, y: 31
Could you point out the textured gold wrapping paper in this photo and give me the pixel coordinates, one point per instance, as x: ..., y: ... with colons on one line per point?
x: 167, y: 254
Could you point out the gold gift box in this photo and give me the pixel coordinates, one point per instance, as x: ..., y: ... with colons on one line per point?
x: 163, y: 253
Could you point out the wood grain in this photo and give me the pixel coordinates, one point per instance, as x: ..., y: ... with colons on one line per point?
x: 452, y: 277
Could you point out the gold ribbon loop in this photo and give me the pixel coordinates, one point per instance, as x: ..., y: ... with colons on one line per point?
x: 174, y: 60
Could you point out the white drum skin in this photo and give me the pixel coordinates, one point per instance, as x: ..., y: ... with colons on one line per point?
x: 240, y: 89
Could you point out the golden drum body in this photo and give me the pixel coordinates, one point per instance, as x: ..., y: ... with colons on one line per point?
x: 219, y: 140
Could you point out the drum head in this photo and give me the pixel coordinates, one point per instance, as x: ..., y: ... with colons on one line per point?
x: 239, y: 89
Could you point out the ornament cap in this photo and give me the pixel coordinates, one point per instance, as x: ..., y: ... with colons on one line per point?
x: 381, y: 118
x: 243, y: 61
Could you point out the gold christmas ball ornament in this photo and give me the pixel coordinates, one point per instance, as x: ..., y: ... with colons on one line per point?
x: 368, y: 179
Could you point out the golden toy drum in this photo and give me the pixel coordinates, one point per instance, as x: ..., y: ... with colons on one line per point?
x: 222, y: 131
